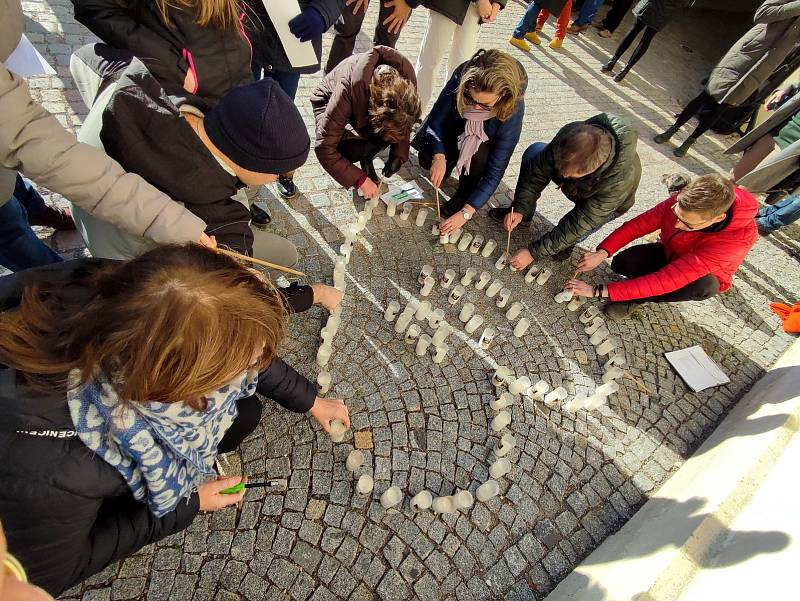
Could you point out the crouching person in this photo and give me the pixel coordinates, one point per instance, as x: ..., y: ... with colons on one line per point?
x: 707, y: 229
x: 120, y: 382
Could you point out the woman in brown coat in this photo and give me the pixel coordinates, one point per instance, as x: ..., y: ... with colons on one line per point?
x: 368, y: 102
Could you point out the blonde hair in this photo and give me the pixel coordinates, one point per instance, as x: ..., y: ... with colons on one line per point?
x: 496, y: 72
x: 394, y: 105
x: 707, y: 195
x: 222, y: 14
x: 172, y: 325
x: 585, y: 148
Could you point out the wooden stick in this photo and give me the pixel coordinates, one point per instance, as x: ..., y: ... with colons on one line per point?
x: 639, y: 383
x: 438, y: 209
x: 508, y: 241
x: 417, y: 202
x: 261, y: 262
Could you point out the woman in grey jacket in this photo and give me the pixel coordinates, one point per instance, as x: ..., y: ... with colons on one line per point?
x: 748, y: 63
x: 651, y: 16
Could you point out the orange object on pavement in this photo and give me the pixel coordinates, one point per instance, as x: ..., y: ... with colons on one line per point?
x: 790, y: 315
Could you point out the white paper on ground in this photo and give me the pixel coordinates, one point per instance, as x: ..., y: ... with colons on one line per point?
x: 300, y: 54
x: 696, y: 368
x: 26, y: 60
x: 397, y: 195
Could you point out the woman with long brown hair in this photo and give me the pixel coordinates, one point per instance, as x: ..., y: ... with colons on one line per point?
x: 472, y: 131
x: 368, y: 102
x: 120, y: 382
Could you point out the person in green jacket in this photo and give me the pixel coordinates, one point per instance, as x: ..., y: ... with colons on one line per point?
x: 596, y: 166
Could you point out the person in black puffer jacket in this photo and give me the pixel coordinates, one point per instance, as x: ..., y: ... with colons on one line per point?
x: 186, y: 335
x: 195, y: 48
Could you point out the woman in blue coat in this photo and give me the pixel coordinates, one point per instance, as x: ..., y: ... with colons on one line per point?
x: 472, y: 131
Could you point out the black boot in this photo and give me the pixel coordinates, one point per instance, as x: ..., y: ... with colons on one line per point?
x: 609, y: 66
x: 259, y: 216
x: 286, y: 187
x: 452, y: 206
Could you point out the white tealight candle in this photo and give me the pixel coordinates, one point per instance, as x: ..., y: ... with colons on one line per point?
x: 422, y: 311
x: 500, y: 375
x: 444, y: 238
x: 596, y: 324
x: 441, y: 353
x: 501, y: 420
x: 521, y: 327
x: 589, y: 315
x: 391, y: 311
x: 612, y: 373
x: 405, y: 212
x: 338, y: 280
x: 599, y: 335
x: 427, y: 287
x: 421, y: 501
x: 487, y: 338
x: 483, y: 280
x: 514, y: 310
x: 554, y: 396
x: 324, y: 355
x: 506, y: 399
x: 402, y: 322
x: 537, y: 392
x: 563, y: 296
x: 435, y: 318
x: 391, y: 209
x: 487, y: 490
x: 372, y: 203
x: 607, y: 389
x: 575, y: 403
x: 576, y: 303
x: 606, y: 347
x: 412, y: 333
x: 466, y: 312
x: 443, y: 505
x: 393, y: 496
x: 488, y: 249
x: 507, y: 443
x: 543, y: 276
x: 435, y: 229
x: 354, y: 460
x: 473, y: 324
x: 422, y: 215
x: 456, y: 294
x: 503, y: 298
x: 468, y: 276
x: 464, y: 242
x: 441, y: 334
x: 616, y: 360
x: 500, y: 468
x: 501, y: 263
x: 455, y: 235
x: 427, y: 270
x: 519, y: 385
x: 365, y: 484
x: 337, y: 430
x: 423, y: 342
x: 463, y: 499
x: 323, y: 382
x: 494, y: 288
x: 595, y: 402
x: 447, y: 278
x: 477, y: 242
x: 532, y: 272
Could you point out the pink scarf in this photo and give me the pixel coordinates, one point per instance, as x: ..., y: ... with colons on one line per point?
x: 472, y: 138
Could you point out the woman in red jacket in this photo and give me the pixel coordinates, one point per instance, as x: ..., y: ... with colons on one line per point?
x: 707, y: 229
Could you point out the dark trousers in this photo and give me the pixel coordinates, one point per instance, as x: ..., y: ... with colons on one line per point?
x: 707, y: 109
x: 246, y: 422
x: 619, y: 8
x: 645, y: 259
x: 363, y: 150
x: 630, y: 37
x: 466, y: 182
x: 287, y: 80
x: 346, y: 29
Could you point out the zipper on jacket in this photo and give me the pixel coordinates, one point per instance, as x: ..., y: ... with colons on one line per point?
x: 187, y: 56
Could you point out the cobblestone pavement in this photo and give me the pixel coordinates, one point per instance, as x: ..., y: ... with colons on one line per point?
x: 576, y: 477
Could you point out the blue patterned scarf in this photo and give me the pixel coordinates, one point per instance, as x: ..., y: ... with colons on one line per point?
x: 163, y: 450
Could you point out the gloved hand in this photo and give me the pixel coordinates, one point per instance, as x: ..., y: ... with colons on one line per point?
x: 392, y: 167
x: 308, y: 24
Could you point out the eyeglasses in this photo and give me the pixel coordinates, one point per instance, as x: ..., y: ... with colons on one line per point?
x: 470, y: 100
x: 690, y: 226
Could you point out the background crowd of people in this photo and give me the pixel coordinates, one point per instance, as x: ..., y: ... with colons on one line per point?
x: 151, y: 353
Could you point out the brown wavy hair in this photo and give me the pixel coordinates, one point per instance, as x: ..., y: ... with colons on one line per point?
x: 394, y: 105
x: 172, y: 325
x: 492, y: 71
x: 222, y: 14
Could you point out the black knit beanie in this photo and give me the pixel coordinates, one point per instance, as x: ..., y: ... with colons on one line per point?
x: 258, y: 127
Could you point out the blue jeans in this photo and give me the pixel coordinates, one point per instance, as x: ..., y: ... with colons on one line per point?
x: 782, y: 213
x: 287, y: 80
x: 20, y: 248
x: 588, y: 11
x: 528, y: 21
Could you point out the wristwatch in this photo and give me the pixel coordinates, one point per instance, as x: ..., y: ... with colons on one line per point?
x: 466, y: 214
